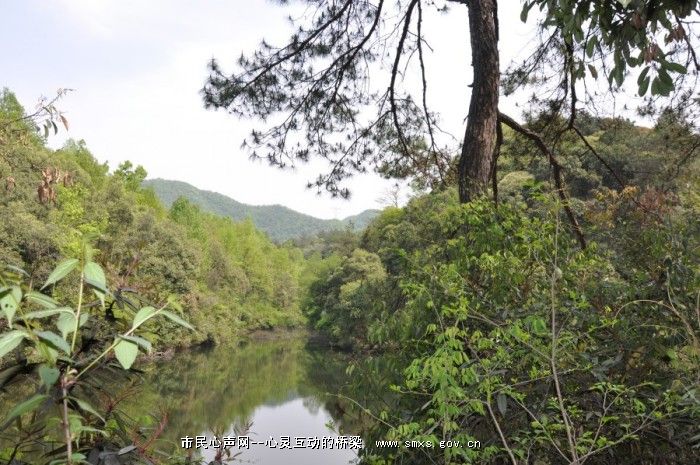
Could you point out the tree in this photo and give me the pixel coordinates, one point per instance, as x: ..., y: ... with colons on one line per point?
x: 314, y: 95
x: 391, y: 197
x: 132, y: 177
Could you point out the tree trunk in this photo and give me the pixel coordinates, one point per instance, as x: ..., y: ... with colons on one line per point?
x: 480, y: 136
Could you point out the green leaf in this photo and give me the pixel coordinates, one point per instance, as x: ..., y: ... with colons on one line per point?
x: 665, y: 87
x: 49, y: 375
x: 10, y: 340
x: 41, y: 299
x: 48, y: 351
x: 61, y: 271
x: 675, y: 67
x: 176, y: 319
x: 87, y: 407
x: 126, y: 352
x: 590, y: 46
x: 142, y: 315
x: 593, y: 71
x: 539, y: 326
x: 26, y: 406
x: 644, y: 86
x: 9, y: 303
x: 17, y: 270
x: 100, y: 295
x: 95, y: 276
x: 55, y: 340
x: 66, y: 324
x: 619, y: 75
x: 525, y: 11
x: 145, y: 345
x: 45, y: 313
x: 642, y: 76
x: 665, y: 78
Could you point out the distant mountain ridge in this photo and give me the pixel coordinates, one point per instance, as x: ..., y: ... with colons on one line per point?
x: 279, y: 222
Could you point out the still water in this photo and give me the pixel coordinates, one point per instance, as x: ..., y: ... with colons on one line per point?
x: 280, y: 394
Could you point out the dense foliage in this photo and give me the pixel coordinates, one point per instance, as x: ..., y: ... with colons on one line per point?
x: 509, y: 332
x: 228, y: 276
x: 112, y: 260
x: 544, y: 352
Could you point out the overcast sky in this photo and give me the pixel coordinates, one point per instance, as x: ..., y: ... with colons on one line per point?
x: 137, y: 68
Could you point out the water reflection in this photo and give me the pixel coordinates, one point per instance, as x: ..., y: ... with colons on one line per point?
x: 270, y: 388
x: 280, y: 388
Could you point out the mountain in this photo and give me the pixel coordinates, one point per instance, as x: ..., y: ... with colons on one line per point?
x: 279, y: 222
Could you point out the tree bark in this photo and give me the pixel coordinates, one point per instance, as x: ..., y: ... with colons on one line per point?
x: 480, y: 135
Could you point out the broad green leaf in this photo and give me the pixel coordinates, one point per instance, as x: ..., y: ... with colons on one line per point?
x: 95, y: 276
x: 590, y: 46
x: 142, y: 315
x: 49, y: 375
x: 46, y: 313
x: 644, y: 86
x: 101, y: 296
x: 48, y: 351
x: 172, y: 317
x: 9, y: 341
x: 624, y: 2
x: 55, y: 340
x: 87, y: 407
x: 676, y: 67
x: 619, y: 75
x: 76, y: 422
x: 83, y: 319
x: 665, y: 78
x: 25, y: 407
x: 9, y: 303
x: 66, y: 324
x: 539, y: 326
x: 145, y: 345
x: 41, y: 299
x: 643, y: 75
x: 665, y: 87
x: 61, y: 271
x: 126, y: 352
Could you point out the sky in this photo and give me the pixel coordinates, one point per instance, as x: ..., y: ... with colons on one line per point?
x: 137, y: 68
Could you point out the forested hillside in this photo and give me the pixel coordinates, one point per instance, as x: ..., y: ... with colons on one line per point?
x: 227, y: 276
x: 280, y: 223
x: 535, y: 302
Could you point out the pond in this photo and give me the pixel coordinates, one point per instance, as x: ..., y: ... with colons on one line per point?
x: 274, y: 401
